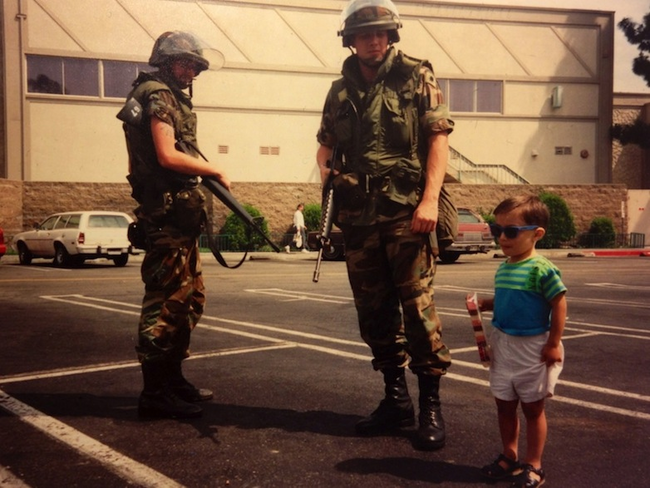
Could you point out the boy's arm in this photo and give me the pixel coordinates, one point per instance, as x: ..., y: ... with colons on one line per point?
x: 551, y: 351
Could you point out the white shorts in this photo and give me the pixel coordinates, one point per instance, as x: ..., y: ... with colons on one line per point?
x: 517, y: 371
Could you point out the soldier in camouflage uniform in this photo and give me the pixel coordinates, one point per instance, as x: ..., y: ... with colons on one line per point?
x: 163, y: 171
x: 387, y: 119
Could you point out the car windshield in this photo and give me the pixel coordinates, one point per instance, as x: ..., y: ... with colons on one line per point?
x: 468, y: 217
x: 108, y: 221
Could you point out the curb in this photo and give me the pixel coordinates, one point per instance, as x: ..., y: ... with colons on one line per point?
x: 588, y: 253
x: 610, y: 253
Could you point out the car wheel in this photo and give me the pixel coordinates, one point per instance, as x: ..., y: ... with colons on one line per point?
x: 61, y: 256
x: 24, y: 256
x: 449, y: 257
x: 332, y: 253
x: 121, y: 260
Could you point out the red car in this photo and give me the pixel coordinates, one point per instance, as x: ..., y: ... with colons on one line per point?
x: 473, y: 237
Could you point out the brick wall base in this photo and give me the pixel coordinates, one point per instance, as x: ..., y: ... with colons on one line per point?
x: 24, y: 203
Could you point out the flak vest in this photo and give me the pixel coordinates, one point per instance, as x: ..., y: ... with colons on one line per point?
x: 378, y: 134
x: 148, y: 179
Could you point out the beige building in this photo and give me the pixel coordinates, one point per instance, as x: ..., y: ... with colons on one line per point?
x: 530, y: 89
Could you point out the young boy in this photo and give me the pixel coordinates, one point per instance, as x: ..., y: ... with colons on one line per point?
x: 529, y: 313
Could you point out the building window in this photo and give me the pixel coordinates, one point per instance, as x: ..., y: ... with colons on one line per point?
x: 472, y: 95
x: 488, y: 96
x: 64, y: 76
x: 76, y: 76
x: 461, y: 95
x: 119, y: 76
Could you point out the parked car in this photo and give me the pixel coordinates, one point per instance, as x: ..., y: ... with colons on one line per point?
x: 3, y: 246
x: 73, y: 237
x: 473, y: 237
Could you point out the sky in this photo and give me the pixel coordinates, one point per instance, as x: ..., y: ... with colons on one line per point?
x: 625, y: 81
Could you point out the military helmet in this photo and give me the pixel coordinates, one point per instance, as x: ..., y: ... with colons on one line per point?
x: 177, y: 44
x: 364, y: 15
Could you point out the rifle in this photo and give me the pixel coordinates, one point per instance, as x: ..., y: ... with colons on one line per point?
x: 327, y: 214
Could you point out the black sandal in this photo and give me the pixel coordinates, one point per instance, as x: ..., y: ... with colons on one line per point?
x: 525, y: 481
x: 495, y: 471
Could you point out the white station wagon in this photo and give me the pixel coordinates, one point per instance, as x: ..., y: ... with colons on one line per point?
x: 73, y: 237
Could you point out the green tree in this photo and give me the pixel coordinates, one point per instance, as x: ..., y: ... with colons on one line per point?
x: 638, y: 34
x: 239, y: 235
x: 601, y: 233
x: 561, y: 227
x: 312, y: 216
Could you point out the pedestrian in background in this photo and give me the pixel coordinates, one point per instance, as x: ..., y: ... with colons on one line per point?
x: 387, y: 118
x: 526, y: 349
x: 299, y: 239
x: 160, y: 129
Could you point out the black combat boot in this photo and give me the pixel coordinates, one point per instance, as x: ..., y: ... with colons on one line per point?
x: 394, y: 411
x: 431, y: 432
x: 159, y: 400
x: 183, y: 388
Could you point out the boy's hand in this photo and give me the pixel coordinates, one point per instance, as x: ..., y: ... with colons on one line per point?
x: 486, y: 304
x: 551, y: 355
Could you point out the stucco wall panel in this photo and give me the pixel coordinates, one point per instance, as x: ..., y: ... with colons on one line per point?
x: 541, y: 51
x: 84, y: 143
x: 44, y: 32
x: 118, y: 32
x: 514, y: 143
x: 294, y: 135
x: 476, y: 49
x: 534, y: 99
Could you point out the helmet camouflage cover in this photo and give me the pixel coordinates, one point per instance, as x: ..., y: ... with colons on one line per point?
x: 366, y: 15
x: 183, y: 45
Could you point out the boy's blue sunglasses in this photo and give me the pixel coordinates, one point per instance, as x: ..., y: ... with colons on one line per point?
x: 511, y: 231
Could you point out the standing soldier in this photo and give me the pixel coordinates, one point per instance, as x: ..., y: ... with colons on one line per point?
x: 387, y: 119
x: 160, y: 129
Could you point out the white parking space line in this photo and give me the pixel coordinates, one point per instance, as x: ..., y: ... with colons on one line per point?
x: 58, y: 373
x: 79, y: 300
x: 8, y: 480
x: 619, y: 286
x: 123, y: 466
x: 296, y: 295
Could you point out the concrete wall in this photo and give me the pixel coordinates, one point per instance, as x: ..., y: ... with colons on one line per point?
x: 24, y: 203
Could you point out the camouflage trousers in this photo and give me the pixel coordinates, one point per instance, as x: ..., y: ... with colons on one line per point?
x: 173, y: 302
x: 391, y: 273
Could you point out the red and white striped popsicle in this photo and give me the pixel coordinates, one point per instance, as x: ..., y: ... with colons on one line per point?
x: 471, y: 301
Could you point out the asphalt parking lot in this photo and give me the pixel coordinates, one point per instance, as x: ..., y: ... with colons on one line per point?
x: 291, y: 377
